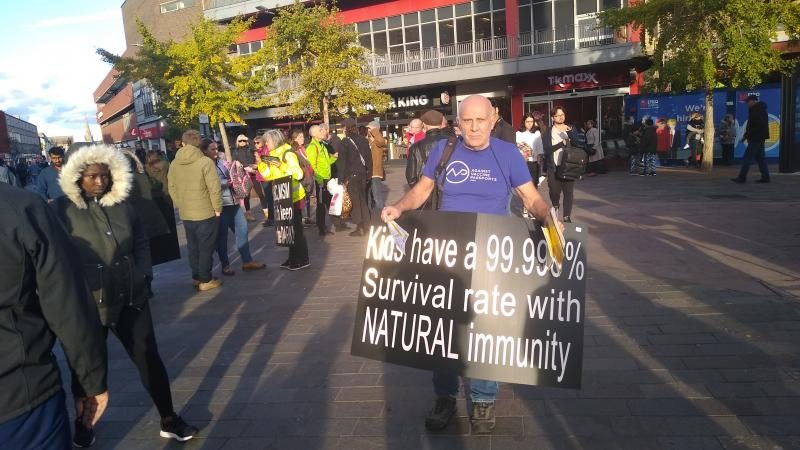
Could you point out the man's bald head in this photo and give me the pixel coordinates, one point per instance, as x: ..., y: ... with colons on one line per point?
x: 415, y: 126
x: 476, y: 118
x: 313, y: 131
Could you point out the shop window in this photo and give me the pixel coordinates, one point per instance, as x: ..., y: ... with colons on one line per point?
x: 482, y: 6
x: 410, y: 19
x: 525, y: 19
x: 380, y: 44
x: 464, y: 9
x: 378, y: 24
x: 395, y: 37
x: 445, y: 12
x: 498, y: 4
x: 412, y: 33
x: 464, y: 29
x: 395, y: 22
x: 429, y: 15
x: 428, y: 35
x: 366, y: 41
x: 362, y: 27
x: 542, y: 19
x: 483, y: 26
x: 499, y: 23
x: 446, y: 33
x: 585, y: 6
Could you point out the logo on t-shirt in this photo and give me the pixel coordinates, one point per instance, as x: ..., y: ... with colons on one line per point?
x: 457, y: 172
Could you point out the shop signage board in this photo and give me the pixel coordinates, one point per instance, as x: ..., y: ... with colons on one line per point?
x: 480, y: 299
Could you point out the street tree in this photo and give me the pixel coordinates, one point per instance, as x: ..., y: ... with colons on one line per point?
x: 703, y: 44
x: 196, y: 75
x: 320, y: 64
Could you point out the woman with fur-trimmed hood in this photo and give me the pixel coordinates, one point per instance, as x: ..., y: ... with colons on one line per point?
x: 113, y: 249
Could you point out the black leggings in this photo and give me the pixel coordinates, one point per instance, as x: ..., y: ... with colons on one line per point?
x: 135, y: 331
x: 556, y: 187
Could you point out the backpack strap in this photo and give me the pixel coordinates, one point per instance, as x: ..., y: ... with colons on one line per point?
x: 447, y: 153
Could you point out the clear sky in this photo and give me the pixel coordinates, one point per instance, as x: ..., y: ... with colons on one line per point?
x: 48, y: 65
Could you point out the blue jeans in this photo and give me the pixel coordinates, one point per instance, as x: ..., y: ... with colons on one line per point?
x: 232, y: 218
x: 45, y: 427
x: 446, y: 385
x: 376, y: 194
x: 754, y: 152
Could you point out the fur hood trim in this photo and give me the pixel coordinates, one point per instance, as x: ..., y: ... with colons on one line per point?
x: 119, y: 169
x: 130, y: 154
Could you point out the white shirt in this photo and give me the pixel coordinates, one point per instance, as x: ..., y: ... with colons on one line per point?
x: 532, y: 140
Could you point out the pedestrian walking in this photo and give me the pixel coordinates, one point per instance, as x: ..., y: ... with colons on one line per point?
x: 113, y: 249
x: 755, y: 133
x: 727, y: 138
x: 47, y: 182
x: 501, y: 129
x: 44, y: 296
x: 558, y: 138
x: 232, y: 216
x: 320, y: 161
x: 6, y: 175
x: 649, y: 146
x: 377, y: 147
x: 282, y: 162
x: 246, y: 156
x: 435, y: 128
x: 594, y: 149
x: 355, y: 167
x: 195, y: 189
x: 504, y: 173
x: 694, y: 139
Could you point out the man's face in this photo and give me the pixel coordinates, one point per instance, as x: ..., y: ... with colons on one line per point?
x: 476, y: 121
x: 56, y: 161
x: 415, y: 127
x: 241, y: 143
x: 95, y: 180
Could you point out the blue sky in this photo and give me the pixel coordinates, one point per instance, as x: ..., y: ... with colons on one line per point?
x: 48, y: 65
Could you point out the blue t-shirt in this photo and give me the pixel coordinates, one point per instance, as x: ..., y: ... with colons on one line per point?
x: 479, y: 181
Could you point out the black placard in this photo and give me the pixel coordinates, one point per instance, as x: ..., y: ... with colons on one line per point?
x: 474, y: 295
x: 284, y: 211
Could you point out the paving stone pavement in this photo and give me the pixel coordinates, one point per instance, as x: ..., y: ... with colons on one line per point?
x: 692, y: 338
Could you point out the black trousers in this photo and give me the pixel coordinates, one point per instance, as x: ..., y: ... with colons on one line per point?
x: 135, y: 332
x: 270, y: 204
x: 201, y: 239
x: 556, y: 187
x: 323, y: 205
x: 298, y: 252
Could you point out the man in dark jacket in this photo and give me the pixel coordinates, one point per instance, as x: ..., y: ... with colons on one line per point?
x: 435, y: 127
x: 755, y: 134
x: 502, y: 130
x: 47, y: 182
x: 43, y: 296
x: 355, y: 168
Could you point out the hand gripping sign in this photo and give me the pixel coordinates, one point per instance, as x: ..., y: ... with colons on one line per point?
x: 475, y: 295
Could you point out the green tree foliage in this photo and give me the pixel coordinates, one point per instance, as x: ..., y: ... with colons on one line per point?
x: 703, y: 44
x: 196, y: 76
x: 322, y: 61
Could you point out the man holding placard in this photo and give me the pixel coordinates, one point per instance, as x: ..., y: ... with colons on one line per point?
x: 477, y: 174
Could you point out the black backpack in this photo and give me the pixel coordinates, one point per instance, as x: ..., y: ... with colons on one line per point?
x: 573, y: 162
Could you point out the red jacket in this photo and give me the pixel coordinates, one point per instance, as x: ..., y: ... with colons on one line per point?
x: 662, y: 139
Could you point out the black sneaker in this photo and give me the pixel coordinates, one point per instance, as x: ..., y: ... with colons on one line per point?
x: 299, y: 266
x: 443, y: 411
x: 84, y: 437
x: 175, y: 428
x: 285, y: 264
x: 762, y: 180
x: 567, y: 219
x: 738, y: 180
x: 482, y: 420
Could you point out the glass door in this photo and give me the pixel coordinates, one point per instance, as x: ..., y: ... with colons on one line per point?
x: 542, y: 107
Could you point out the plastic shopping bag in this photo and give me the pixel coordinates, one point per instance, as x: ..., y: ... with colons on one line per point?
x: 337, y: 197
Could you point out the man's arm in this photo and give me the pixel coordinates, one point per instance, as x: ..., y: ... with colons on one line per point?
x: 413, y: 199
x: 533, y: 202
x: 67, y: 306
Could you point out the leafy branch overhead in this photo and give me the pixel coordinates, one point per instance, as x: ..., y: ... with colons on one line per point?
x: 325, y: 65
x: 196, y: 75
x: 696, y: 44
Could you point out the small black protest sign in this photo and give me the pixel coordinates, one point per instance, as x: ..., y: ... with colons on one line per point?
x: 284, y: 211
x: 474, y: 295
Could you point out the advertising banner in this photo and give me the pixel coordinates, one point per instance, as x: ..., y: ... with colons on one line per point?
x: 284, y: 211
x: 481, y: 299
x: 680, y: 107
